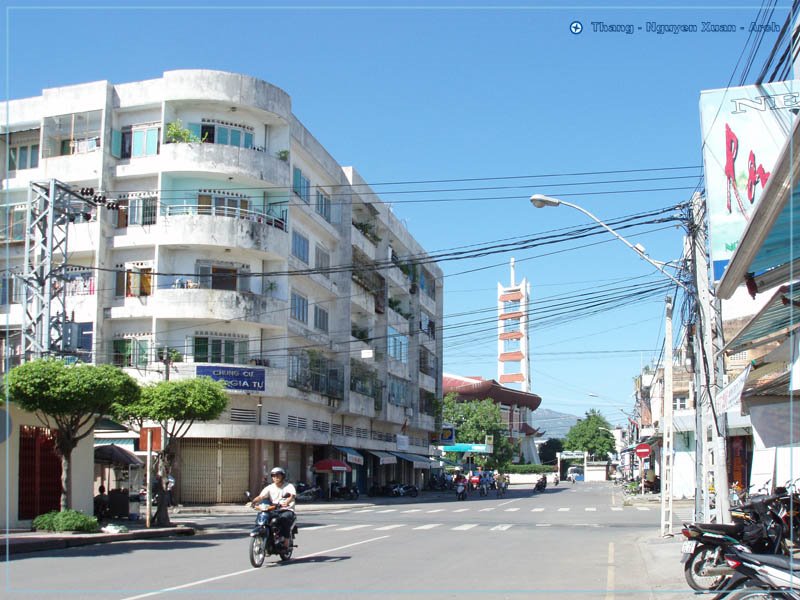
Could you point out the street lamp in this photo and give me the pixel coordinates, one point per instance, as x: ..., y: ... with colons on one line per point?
x: 540, y: 201
x: 720, y: 471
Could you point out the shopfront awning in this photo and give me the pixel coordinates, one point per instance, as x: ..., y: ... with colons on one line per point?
x: 384, y: 457
x: 352, y: 456
x: 772, y: 323
x: 419, y: 461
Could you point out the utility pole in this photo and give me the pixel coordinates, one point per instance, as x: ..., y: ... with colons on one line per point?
x: 707, y: 372
x: 667, y: 452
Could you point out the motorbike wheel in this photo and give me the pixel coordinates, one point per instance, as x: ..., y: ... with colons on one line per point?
x: 258, y: 551
x: 702, y: 557
x: 287, y: 554
x: 751, y: 593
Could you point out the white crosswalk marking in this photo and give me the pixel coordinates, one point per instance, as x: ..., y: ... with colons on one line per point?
x: 642, y: 508
x: 428, y: 526
x: 616, y: 508
x: 387, y: 510
x: 465, y: 527
x: 487, y: 509
x: 413, y: 510
x: 388, y: 527
x: 563, y: 509
x: 435, y: 510
x: 352, y: 527
x: 365, y: 510
x: 460, y: 510
x: 512, y: 509
x: 590, y: 509
x: 500, y: 528
x: 543, y: 524
x: 313, y: 527
x: 537, y: 509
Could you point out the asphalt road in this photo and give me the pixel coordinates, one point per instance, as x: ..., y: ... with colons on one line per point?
x: 570, y: 542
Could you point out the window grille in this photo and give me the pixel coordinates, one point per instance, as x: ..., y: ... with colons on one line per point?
x: 243, y: 415
x: 273, y: 418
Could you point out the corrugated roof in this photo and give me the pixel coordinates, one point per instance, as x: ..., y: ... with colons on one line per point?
x: 771, y: 323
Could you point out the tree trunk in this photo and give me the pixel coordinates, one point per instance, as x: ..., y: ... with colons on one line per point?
x: 66, y: 479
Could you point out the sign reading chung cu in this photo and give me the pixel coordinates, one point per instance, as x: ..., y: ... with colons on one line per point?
x: 245, y: 379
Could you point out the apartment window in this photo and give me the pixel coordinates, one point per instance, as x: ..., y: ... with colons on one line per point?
x: 324, y: 205
x: 398, y: 391
x: 136, y: 141
x: 219, y: 350
x: 427, y: 324
x: 322, y: 261
x: 397, y: 345
x: 222, y: 205
x: 229, y: 134
x: 222, y: 277
x: 139, y: 282
x: 12, y: 223
x: 119, y: 280
x: 23, y: 157
x: 299, y: 308
x: 427, y: 284
x: 141, y: 211
x: 11, y: 290
x: 320, y: 319
x: 300, y: 246
x: 679, y: 402
x: 301, y: 185
x: 130, y: 352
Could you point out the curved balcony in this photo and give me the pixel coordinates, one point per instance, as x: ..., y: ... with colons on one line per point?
x: 181, y: 225
x: 230, y: 88
x: 220, y: 158
x: 200, y: 303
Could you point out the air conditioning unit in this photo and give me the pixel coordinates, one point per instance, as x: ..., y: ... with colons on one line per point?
x: 409, y: 411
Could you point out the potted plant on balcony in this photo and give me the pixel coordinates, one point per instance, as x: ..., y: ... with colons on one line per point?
x: 176, y: 134
x: 283, y: 155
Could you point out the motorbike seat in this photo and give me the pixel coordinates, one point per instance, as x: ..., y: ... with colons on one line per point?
x: 731, y: 529
x: 778, y: 561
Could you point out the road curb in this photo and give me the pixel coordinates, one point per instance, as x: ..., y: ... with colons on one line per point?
x: 60, y: 542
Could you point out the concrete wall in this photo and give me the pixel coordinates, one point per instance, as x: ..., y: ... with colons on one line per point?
x: 82, y: 470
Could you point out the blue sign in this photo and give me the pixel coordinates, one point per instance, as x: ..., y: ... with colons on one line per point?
x: 244, y: 379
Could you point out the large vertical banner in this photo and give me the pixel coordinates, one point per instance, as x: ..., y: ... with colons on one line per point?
x: 744, y: 130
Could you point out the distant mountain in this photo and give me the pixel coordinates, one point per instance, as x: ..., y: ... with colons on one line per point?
x: 553, y: 424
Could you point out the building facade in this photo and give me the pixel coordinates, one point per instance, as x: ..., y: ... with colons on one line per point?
x: 226, y: 241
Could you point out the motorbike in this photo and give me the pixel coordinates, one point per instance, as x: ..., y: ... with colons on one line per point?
x: 760, y: 576
x: 265, y: 537
x: 342, y: 491
x: 310, y: 494
x: 382, y: 490
x: 403, y: 489
x: 461, y: 490
x: 541, y: 484
x: 758, y: 524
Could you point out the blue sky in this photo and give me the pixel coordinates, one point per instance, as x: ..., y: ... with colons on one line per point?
x: 408, y: 93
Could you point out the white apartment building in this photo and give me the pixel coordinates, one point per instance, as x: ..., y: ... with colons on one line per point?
x: 232, y: 241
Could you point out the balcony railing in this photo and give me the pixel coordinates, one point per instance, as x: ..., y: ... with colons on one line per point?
x: 314, y: 373
x: 276, y: 217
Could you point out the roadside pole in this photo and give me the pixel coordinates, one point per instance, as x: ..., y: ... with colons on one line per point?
x: 148, y: 504
x: 667, y: 449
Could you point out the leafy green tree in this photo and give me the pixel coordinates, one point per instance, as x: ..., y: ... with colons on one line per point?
x: 70, y: 400
x: 548, y: 450
x: 590, y: 435
x: 175, y: 406
x: 476, y: 419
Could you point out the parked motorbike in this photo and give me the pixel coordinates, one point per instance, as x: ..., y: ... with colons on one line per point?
x: 760, y: 576
x: 760, y: 525
x: 382, y: 490
x: 339, y: 491
x: 310, y: 494
x: 265, y: 537
x: 405, y: 489
x: 461, y: 490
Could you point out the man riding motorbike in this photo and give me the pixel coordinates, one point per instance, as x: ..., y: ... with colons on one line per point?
x: 281, y: 493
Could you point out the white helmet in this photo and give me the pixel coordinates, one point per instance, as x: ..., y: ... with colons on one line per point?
x: 278, y: 471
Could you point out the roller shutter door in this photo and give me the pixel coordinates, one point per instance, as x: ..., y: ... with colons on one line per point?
x: 214, y: 470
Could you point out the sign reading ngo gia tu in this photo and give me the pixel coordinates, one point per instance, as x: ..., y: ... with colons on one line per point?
x: 246, y: 379
x: 744, y: 130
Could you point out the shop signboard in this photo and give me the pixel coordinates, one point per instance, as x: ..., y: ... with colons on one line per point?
x: 743, y: 132
x: 244, y: 379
